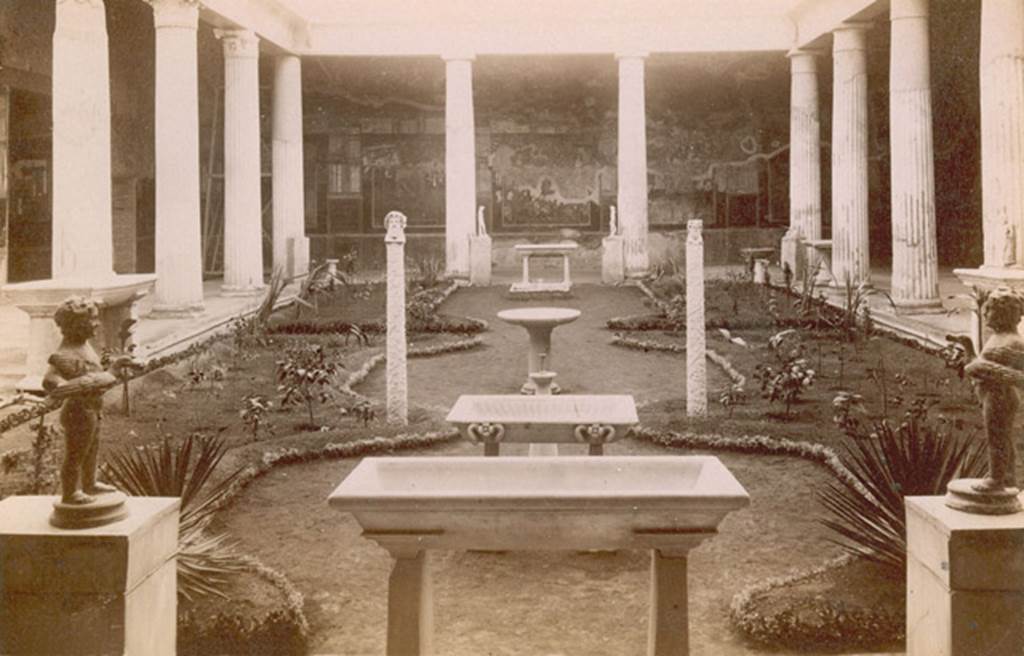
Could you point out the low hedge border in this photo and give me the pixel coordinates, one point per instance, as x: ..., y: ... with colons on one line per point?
x: 845, y: 629
x: 738, y: 379
x: 829, y: 625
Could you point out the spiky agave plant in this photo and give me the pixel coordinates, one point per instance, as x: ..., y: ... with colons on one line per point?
x: 206, y: 562
x: 886, y: 463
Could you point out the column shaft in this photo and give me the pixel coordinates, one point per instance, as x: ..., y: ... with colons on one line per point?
x: 243, y: 230
x: 915, y: 264
x: 459, y: 165
x: 850, y: 259
x: 179, y: 256
x: 632, y: 165
x: 1002, y: 132
x: 804, y: 147
x: 696, y: 351
x: 82, y: 213
x: 291, y: 247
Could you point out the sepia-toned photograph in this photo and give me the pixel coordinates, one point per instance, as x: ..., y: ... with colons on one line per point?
x: 511, y: 327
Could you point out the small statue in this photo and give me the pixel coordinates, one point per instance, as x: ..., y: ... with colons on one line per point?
x: 998, y: 374
x: 76, y: 376
x: 394, y: 224
x: 613, y: 222
x: 481, y: 225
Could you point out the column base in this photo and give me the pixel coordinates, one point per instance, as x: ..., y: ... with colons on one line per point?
x: 989, y: 278
x: 924, y: 306
x: 961, y: 495
x: 228, y: 290
x: 176, y: 311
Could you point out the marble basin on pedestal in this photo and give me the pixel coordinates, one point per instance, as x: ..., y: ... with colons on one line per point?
x: 594, y: 419
x: 522, y: 503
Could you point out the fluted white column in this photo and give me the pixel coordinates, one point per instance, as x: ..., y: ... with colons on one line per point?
x: 82, y: 213
x: 850, y: 258
x: 289, y: 229
x: 243, y: 232
x: 459, y: 164
x: 804, y: 154
x: 179, y: 255
x: 1002, y: 132
x: 915, y: 263
x: 632, y: 168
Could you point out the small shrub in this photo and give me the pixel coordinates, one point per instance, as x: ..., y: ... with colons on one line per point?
x: 786, y: 381
x: 305, y: 376
x: 732, y: 396
x: 254, y: 412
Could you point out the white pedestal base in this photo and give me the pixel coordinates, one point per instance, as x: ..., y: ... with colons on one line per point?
x: 965, y: 581
x: 105, y: 590
x: 613, y: 260
x: 479, y: 260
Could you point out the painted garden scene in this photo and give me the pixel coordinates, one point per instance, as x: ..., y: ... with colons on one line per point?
x: 603, y: 328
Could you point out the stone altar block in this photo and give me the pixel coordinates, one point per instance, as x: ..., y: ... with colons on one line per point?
x: 114, y: 295
x: 480, y: 260
x: 528, y: 286
x: 495, y: 419
x: 665, y: 504
x: 965, y: 581
x: 105, y: 590
x: 613, y: 260
x: 819, y: 258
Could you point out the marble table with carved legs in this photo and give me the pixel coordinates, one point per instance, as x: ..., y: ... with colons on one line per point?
x: 538, y: 322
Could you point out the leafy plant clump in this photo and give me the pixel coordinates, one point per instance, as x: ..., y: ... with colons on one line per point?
x: 206, y: 562
x: 785, y: 381
x: 887, y: 462
x: 305, y: 377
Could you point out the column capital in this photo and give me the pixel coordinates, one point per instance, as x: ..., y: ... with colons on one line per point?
x: 175, y: 13
x: 239, y: 43
x: 899, y: 9
x: 851, y: 35
x: 94, y: 4
x: 804, y: 60
x: 632, y: 54
x: 458, y: 55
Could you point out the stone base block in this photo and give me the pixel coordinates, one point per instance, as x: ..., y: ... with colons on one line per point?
x: 965, y: 581
x: 613, y: 262
x: 538, y: 287
x: 479, y: 260
x: 789, y: 253
x: 110, y: 589
x: 989, y: 278
x: 925, y: 306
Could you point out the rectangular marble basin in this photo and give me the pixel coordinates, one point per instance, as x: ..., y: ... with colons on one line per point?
x: 545, y: 419
x: 565, y: 502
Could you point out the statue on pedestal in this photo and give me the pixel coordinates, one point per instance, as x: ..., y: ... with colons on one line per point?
x: 76, y: 376
x: 998, y: 374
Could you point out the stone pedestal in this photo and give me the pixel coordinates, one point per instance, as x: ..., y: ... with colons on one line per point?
x: 104, y: 590
x: 396, y: 373
x: 790, y: 251
x: 613, y: 262
x: 819, y: 259
x: 480, y: 260
x: 696, y: 364
x: 114, y: 295
x: 761, y: 271
x: 965, y: 581
x: 632, y: 168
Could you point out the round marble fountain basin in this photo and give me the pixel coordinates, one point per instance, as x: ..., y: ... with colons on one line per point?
x: 539, y: 316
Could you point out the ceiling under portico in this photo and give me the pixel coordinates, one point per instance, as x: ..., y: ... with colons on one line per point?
x: 458, y: 28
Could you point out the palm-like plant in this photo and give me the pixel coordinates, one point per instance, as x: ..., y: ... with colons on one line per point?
x: 205, y: 561
x: 885, y: 464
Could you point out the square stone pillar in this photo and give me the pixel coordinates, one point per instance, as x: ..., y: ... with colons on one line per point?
x: 613, y: 260
x: 965, y: 581
x: 105, y: 590
x: 480, y: 260
x: 459, y: 163
x: 632, y: 163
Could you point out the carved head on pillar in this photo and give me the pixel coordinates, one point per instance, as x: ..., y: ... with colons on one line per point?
x: 395, y: 223
x: 613, y: 221
x: 694, y: 227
